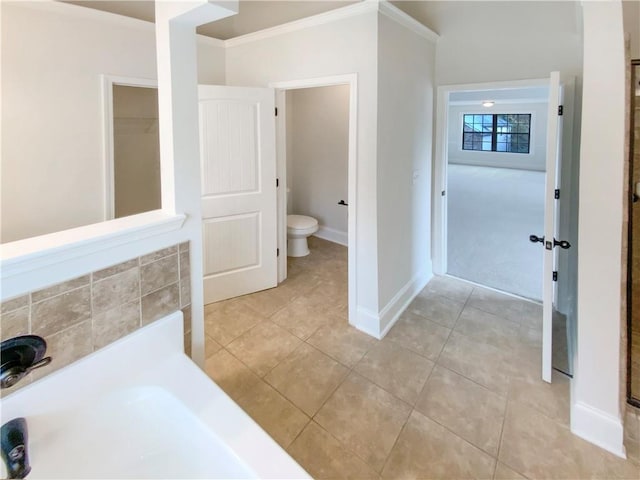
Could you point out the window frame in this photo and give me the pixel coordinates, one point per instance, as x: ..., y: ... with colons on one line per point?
x: 494, y: 133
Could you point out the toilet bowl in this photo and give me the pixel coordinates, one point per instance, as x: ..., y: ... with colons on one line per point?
x: 299, y: 227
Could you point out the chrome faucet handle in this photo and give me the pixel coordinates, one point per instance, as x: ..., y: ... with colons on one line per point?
x: 13, y: 447
x: 20, y: 355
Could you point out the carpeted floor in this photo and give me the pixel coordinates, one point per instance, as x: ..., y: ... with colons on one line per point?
x: 491, y: 213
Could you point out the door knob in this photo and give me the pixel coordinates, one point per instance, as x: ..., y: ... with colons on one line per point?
x: 536, y: 239
x: 562, y: 244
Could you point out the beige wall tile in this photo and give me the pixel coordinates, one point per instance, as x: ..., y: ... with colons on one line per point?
x: 185, y: 292
x: 57, y: 313
x: 115, y: 323
x: 59, y: 288
x: 14, y: 323
x: 158, y: 274
x: 183, y: 247
x: 185, y: 263
x: 14, y: 303
x: 119, y: 268
x: 365, y: 417
x: 66, y: 347
x: 116, y: 290
x: 307, y: 378
x: 157, y: 255
x: 428, y: 450
x: 160, y: 303
x: 324, y: 457
x: 186, y: 315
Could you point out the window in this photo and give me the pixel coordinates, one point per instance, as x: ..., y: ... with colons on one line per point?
x: 500, y: 132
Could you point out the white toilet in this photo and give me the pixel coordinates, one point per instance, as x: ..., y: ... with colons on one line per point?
x: 299, y: 227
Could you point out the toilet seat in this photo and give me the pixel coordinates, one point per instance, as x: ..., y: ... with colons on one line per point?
x: 301, y: 221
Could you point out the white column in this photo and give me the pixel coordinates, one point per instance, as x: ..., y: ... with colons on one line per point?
x: 596, y: 387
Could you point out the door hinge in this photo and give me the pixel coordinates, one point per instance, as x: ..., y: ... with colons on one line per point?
x: 277, y: 182
x: 556, y: 194
x: 276, y: 111
x: 277, y: 252
x: 560, y: 110
x: 555, y: 276
x: 443, y: 193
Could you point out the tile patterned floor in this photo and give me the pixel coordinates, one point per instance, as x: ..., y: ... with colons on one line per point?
x: 452, y: 391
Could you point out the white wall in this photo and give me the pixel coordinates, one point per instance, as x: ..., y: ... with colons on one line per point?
x: 52, y: 151
x: 318, y: 160
x: 340, y: 47
x: 596, y: 385
x: 534, y: 160
x: 405, y: 133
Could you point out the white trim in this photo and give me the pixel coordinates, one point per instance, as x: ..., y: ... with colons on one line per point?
x: 37, y: 253
x: 350, y: 79
x: 101, y: 15
x: 390, y: 314
x: 332, y: 235
x: 108, y: 81
x: 366, y: 321
x: 394, y: 13
x: 598, y: 427
x: 365, y: 6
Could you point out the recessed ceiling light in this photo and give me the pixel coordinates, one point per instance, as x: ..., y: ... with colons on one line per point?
x: 488, y: 103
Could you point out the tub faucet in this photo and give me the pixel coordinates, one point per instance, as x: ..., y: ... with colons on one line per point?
x: 13, y: 444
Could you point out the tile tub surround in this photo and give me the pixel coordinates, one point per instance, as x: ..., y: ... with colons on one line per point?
x: 84, y: 314
x: 439, y: 397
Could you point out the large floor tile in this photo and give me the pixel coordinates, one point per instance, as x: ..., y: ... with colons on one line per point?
x: 342, y: 342
x: 538, y: 447
x: 552, y: 399
x: 303, y: 317
x: 436, y: 308
x: 480, y: 362
x: 365, y: 417
x: 263, y: 347
x: 324, y: 457
x: 230, y: 374
x: 426, y: 449
x: 307, y: 378
x: 282, y: 420
x: 266, y: 302
x: 419, y: 335
x: 401, y: 372
x: 506, y: 306
x: 505, y: 473
x: 464, y: 407
x: 488, y: 328
x: 450, y: 287
x: 225, y: 321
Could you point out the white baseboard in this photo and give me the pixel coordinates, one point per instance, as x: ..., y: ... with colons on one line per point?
x: 598, y: 427
x: 332, y: 235
x: 367, y: 322
x: 391, y: 312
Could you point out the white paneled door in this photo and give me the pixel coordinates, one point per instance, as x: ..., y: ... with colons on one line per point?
x: 238, y: 170
x: 551, y: 240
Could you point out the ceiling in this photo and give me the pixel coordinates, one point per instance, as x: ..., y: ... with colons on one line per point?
x: 253, y: 15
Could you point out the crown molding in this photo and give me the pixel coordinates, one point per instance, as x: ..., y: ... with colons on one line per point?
x: 356, y: 9
x: 394, y: 13
x: 97, y: 15
x: 366, y: 6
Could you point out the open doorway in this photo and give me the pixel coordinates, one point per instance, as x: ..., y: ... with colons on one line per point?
x: 316, y: 130
x: 495, y: 187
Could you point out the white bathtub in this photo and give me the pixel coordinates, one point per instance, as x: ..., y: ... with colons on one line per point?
x: 140, y: 408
